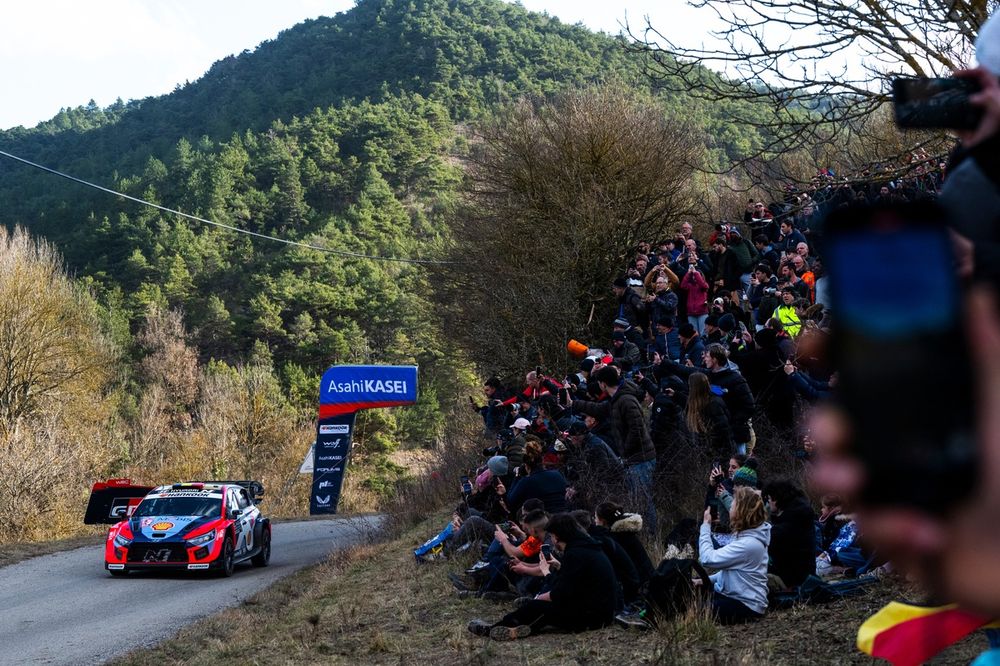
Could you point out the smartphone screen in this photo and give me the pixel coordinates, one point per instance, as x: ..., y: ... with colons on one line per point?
x: 906, y: 380
x: 935, y: 103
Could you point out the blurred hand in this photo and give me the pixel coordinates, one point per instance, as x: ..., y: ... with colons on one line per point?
x: 707, y: 518
x: 964, y: 254
x: 989, y: 99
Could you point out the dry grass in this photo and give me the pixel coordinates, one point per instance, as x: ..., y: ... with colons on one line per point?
x: 375, y: 605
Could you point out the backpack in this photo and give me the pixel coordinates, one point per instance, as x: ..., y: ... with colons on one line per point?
x: 669, y: 591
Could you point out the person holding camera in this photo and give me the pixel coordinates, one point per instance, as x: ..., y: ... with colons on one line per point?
x: 763, y: 294
x: 582, y: 596
x: 740, y: 582
x: 629, y: 304
x: 695, y: 286
x: 950, y: 550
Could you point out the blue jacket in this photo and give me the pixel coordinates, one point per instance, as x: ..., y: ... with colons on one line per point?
x: 811, y: 389
x: 668, y: 345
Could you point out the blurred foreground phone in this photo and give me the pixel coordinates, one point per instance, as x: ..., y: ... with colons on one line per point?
x: 899, y: 342
x: 921, y: 103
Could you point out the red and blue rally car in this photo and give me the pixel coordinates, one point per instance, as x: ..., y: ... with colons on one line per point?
x: 191, y: 526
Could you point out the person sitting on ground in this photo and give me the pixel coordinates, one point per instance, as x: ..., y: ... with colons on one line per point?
x: 512, y: 446
x: 484, y: 500
x: 521, y: 548
x: 831, y: 507
x: 546, y: 485
x: 582, y: 595
x: 793, y: 533
x: 625, y: 573
x: 740, y: 584
x: 529, y: 536
x: 743, y: 476
x: 612, y: 521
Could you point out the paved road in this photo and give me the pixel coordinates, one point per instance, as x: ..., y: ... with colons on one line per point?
x: 66, y: 609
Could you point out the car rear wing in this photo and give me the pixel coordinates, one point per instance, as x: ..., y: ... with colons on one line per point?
x: 254, y: 488
x: 113, y: 500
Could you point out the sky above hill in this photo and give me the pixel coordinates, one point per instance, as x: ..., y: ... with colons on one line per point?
x: 63, y: 53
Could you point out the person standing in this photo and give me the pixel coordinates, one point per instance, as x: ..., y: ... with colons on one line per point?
x: 624, y: 409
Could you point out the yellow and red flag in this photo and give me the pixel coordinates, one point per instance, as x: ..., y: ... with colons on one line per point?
x: 907, y: 635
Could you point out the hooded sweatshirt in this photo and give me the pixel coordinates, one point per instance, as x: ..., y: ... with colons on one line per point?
x: 742, y: 565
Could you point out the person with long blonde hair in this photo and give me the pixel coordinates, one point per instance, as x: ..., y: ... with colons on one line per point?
x: 707, y: 418
x: 740, y: 583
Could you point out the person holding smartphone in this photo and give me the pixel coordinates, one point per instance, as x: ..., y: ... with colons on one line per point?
x: 954, y: 552
x: 582, y: 596
x: 695, y: 286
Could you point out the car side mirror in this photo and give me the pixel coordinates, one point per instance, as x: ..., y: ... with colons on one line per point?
x: 234, y: 514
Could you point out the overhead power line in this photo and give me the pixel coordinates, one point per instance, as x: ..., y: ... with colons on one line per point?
x: 310, y: 246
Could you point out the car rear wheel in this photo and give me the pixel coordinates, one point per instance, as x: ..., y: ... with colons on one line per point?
x: 226, y: 558
x: 264, y: 556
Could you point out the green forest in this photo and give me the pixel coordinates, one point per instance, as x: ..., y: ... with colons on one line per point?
x: 348, y: 133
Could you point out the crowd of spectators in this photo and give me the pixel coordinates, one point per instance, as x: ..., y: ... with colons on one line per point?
x: 710, y: 335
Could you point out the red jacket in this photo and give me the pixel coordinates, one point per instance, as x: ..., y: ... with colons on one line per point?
x: 696, y: 287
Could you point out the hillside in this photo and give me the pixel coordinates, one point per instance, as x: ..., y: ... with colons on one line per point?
x: 340, y: 132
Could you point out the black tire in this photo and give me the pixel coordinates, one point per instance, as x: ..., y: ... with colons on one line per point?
x: 118, y: 573
x: 226, y: 563
x: 264, y: 556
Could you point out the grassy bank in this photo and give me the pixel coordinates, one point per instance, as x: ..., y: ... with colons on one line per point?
x: 374, y: 604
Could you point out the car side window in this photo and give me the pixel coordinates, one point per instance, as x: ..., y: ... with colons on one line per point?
x: 242, y: 497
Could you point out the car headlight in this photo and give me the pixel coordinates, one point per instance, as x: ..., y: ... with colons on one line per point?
x: 122, y: 542
x: 203, y: 539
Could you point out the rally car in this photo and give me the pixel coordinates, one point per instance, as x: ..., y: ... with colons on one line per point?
x: 190, y: 526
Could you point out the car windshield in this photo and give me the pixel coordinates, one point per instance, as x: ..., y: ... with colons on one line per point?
x: 180, y: 506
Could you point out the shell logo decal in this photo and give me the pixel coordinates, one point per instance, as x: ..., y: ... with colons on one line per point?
x: 162, y: 526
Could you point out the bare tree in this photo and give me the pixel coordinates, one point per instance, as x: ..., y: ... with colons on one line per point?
x: 51, y: 343
x: 245, y: 419
x: 169, y: 360
x: 557, y: 195
x: 813, y: 72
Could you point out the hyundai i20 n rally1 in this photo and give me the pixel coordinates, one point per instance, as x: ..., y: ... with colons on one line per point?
x: 186, y: 526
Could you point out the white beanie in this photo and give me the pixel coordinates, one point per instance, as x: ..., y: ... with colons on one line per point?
x: 988, y: 44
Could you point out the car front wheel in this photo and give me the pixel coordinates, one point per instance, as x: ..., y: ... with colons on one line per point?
x: 226, y: 558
